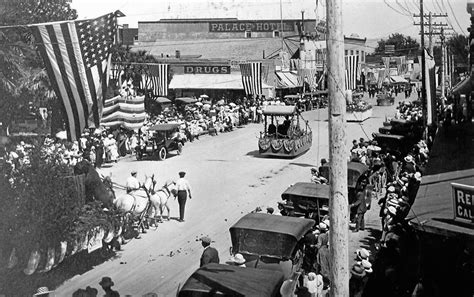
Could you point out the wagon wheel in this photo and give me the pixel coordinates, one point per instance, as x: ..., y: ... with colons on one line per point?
x: 180, y: 148
x: 162, y: 153
x: 138, y: 154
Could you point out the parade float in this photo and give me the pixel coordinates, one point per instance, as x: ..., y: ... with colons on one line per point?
x: 285, y: 133
x: 358, y: 111
x: 45, y: 217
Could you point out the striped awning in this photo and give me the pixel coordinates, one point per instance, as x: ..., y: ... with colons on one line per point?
x: 287, y: 80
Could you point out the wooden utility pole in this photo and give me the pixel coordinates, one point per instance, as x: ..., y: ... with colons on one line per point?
x: 338, y: 203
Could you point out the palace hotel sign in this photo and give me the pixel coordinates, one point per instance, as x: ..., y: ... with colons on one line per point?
x: 254, y: 26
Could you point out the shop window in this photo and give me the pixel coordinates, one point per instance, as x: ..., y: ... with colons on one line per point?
x: 276, y: 33
x: 248, y: 34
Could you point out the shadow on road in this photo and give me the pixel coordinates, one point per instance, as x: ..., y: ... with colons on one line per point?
x: 15, y: 283
x: 302, y: 164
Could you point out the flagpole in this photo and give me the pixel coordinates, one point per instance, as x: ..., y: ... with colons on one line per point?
x: 281, y: 24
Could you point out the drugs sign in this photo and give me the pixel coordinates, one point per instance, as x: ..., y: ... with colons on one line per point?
x: 463, y: 199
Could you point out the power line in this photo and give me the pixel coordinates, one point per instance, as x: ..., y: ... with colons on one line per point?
x: 396, y: 10
x: 456, y: 19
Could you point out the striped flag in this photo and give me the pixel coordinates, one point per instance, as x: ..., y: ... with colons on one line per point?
x: 77, y: 58
x: 124, y: 111
x: 310, y: 76
x: 159, y: 79
x: 252, y: 77
x: 352, y: 65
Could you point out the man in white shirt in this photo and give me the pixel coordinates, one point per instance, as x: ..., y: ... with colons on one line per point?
x: 184, y: 189
x: 132, y: 182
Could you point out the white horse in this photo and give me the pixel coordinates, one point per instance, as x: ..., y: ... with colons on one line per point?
x: 159, y: 198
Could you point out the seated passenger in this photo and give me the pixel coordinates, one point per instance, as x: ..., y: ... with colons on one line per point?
x: 271, y: 129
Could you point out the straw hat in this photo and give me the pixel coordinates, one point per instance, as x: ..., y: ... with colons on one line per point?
x: 238, y: 259
x: 42, y: 291
x: 367, y: 266
x: 357, y: 270
x: 362, y: 254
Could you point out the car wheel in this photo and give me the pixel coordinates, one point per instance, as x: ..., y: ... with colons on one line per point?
x: 162, y: 153
x: 180, y: 148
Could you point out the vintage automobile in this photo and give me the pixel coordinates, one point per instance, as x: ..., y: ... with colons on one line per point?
x: 304, y: 199
x: 384, y: 99
x: 227, y: 280
x: 163, y: 139
x: 391, y: 143
x: 270, y: 241
x: 357, y: 174
x: 290, y: 137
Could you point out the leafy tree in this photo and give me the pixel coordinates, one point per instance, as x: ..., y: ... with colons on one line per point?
x: 22, y: 75
x: 458, y: 45
x: 404, y: 45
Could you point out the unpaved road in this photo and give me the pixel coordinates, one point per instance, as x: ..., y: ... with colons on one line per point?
x: 228, y: 180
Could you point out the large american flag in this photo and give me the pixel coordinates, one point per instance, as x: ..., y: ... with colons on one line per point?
x: 252, y: 77
x: 77, y: 58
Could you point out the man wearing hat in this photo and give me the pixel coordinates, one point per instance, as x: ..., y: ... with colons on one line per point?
x: 106, y: 283
x: 357, y: 281
x: 210, y: 254
x: 132, y: 182
x: 239, y: 260
x: 184, y: 189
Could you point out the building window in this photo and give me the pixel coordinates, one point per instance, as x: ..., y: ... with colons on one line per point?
x: 276, y: 33
x: 357, y: 53
x: 345, y: 52
x: 135, y: 38
x: 248, y: 34
x: 362, y: 56
x: 352, y: 52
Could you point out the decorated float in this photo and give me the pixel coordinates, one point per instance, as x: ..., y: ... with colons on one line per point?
x: 385, y: 99
x: 45, y: 214
x: 358, y: 111
x: 285, y: 133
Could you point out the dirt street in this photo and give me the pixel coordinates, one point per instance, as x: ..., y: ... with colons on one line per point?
x: 229, y: 179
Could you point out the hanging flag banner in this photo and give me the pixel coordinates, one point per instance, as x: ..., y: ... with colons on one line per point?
x: 429, y: 76
x: 77, y: 58
x: 252, y: 77
x: 351, y: 67
x: 155, y: 78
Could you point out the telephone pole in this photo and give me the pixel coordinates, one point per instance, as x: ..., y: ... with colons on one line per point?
x: 338, y: 206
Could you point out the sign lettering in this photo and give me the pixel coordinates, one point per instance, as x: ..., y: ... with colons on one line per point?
x: 463, y: 202
x: 195, y: 69
x: 254, y: 26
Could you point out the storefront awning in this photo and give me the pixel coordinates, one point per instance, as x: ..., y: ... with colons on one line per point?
x: 209, y: 81
x: 397, y: 79
x: 463, y: 87
x: 287, y: 80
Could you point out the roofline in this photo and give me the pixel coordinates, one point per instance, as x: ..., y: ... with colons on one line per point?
x: 215, y: 20
x: 355, y: 38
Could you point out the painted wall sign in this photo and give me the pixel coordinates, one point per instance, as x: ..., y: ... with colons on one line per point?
x: 197, y: 69
x: 463, y: 199
x: 254, y: 26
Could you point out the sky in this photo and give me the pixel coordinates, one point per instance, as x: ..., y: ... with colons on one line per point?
x: 373, y: 19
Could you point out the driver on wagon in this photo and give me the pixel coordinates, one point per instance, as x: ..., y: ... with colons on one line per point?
x: 132, y: 182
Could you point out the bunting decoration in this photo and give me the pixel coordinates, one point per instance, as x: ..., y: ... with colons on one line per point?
x: 252, y: 77
x: 124, y: 111
x: 77, y: 59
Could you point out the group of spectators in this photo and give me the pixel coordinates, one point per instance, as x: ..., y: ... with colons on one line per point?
x: 391, y: 91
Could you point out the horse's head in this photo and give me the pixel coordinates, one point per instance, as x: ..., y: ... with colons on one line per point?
x: 150, y: 184
x: 171, y: 186
x: 82, y: 167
